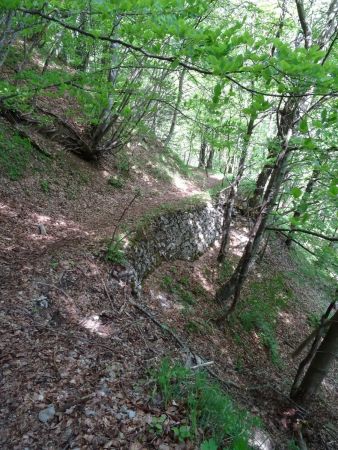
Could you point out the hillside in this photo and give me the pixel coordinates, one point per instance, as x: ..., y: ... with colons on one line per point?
x: 72, y: 338
x: 168, y: 214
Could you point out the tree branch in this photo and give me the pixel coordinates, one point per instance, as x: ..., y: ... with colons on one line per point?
x: 301, y: 230
x: 170, y: 59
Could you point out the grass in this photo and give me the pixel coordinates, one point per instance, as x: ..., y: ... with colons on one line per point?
x: 160, y: 173
x: 259, y: 312
x: 142, y: 227
x: 115, y: 252
x: 45, y: 187
x: 212, y: 420
x: 122, y: 162
x: 179, y: 289
x: 116, y: 182
x: 15, y: 153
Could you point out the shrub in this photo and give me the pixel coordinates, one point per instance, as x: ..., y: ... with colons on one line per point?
x: 15, y: 154
x: 115, y: 252
x: 260, y: 311
x: 116, y: 182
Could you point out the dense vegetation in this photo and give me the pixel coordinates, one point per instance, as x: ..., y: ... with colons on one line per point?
x: 237, y: 87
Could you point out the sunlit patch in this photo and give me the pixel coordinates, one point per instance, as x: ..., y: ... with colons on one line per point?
x: 7, y: 211
x: 238, y: 241
x: 39, y: 237
x: 94, y: 325
x: 41, y: 218
x: 184, y: 185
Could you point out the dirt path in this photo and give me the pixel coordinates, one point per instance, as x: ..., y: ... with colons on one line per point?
x: 75, y: 353
x: 70, y: 342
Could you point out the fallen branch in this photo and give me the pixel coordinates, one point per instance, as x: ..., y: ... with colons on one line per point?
x: 198, y: 366
x: 183, y: 345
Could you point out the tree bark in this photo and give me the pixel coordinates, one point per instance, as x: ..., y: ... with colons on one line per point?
x: 232, y: 287
x: 203, y: 148
x: 307, y: 192
x: 263, y: 177
x: 320, y: 365
x: 6, y: 35
x: 210, y: 158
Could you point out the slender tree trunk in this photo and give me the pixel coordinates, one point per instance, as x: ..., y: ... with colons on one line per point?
x: 210, y: 158
x: 203, y: 148
x: 320, y: 365
x: 307, y: 193
x: 177, y: 105
x: 229, y: 207
x: 263, y: 177
x: 6, y: 35
x: 232, y: 287
x: 108, y: 116
x: 316, y: 337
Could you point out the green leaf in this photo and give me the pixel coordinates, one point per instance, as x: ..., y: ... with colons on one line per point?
x: 296, y: 192
x: 217, y: 93
x: 303, y: 126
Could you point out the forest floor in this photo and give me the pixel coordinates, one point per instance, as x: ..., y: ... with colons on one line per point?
x: 77, y: 356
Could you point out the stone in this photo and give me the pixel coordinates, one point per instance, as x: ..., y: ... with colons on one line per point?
x: 42, y: 229
x: 176, y: 235
x: 89, y: 412
x: 42, y: 302
x: 131, y: 414
x: 260, y: 440
x: 47, y: 414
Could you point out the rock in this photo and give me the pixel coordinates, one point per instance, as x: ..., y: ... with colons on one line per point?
x: 260, y: 440
x: 42, y: 229
x: 42, y: 302
x: 89, y: 412
x: 47, y: 414
x: 131, y: 414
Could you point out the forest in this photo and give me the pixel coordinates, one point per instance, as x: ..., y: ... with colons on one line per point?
x: 168, y: 212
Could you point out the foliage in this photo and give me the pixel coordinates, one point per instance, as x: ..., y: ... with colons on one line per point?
x: 259, y: 312
x: 15, y: 153
x: 116, y: 182
x: 115, y: 252
x: 180, y: 290
x: 45, y: 186
x: 210, y: 412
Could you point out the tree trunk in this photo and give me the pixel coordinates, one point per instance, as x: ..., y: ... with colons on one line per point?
x: 307, y: 192
x: 228, y: 209
x: 108, y: 116
x: 6, y: 35
x: 203, y: 148
x: 210, y: 158
x: 320, y: 365
x: 177, y: 105
x: 263, y: 178
x: 232, y: 287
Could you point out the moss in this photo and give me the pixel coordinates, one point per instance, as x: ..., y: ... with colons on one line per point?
x: 145, y: 223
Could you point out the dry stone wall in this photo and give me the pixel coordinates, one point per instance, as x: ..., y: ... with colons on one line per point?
x: 180, y: 234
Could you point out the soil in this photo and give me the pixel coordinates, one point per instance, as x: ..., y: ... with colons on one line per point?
x: 71, y: 338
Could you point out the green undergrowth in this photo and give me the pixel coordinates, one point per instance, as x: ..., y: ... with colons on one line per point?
x: 143, y: 225
x: 180, y: 289
x: 116, y: 182
x: 212, y: 420
x: 15, y: 153
x: 315, y: 271
x: 115, y: 251
x: 259, y: 311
